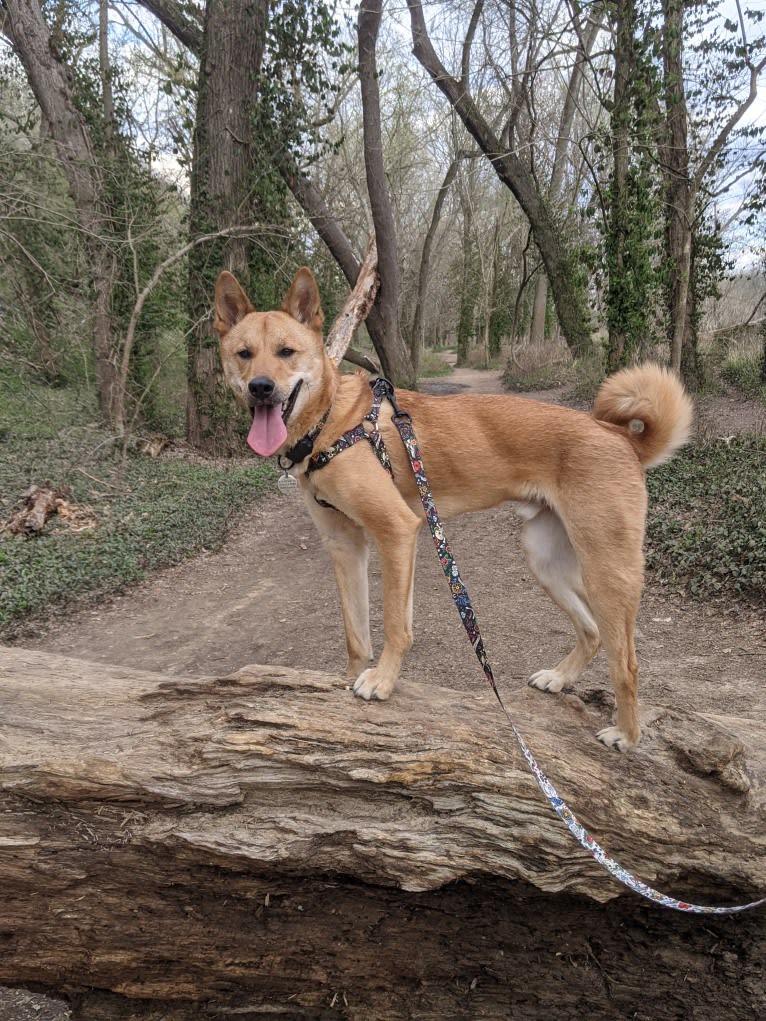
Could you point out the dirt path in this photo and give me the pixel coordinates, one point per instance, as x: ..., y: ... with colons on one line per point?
x: 269, y: 597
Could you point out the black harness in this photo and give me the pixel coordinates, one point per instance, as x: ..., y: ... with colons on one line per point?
x: 382, y: 390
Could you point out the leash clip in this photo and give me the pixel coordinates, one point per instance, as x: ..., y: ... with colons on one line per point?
x: 387, y: 387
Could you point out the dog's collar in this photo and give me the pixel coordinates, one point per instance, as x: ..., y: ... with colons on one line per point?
x: 301, y: 450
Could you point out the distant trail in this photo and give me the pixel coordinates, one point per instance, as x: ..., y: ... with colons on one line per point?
x: 464, y: 379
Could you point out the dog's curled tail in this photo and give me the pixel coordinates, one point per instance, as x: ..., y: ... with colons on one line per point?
x: 651, y: 405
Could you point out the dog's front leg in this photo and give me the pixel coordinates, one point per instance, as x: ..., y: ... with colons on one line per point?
x: 395, y: 536
x: 348, y: 547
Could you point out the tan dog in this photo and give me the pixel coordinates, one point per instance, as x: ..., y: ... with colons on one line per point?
x: 576, y: 480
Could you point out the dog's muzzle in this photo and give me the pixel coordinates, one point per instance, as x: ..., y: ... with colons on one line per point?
x: 263, y: 393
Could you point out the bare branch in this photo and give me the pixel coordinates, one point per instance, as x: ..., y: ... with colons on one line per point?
x: 175, y: 17
x: 357, y: 306
x: 723, y: 135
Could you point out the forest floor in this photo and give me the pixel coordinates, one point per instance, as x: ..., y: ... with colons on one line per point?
x: 269, y: 596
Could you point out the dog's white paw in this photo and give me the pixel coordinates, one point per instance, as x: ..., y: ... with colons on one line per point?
x: 547, y: 680
x: 613, y: 737
x: 371, y: 684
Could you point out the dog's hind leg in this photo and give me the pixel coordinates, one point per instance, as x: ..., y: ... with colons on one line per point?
x: 349, y: 551
x: 612, y: 564
x: 554, y: 563
x: 623, y: 669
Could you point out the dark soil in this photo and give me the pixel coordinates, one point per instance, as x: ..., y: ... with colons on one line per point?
x: 269, y: 597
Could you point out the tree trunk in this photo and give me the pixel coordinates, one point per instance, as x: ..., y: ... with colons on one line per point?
x: 465, y: 323
x: 617, y: 234
x: 397, y: 364
x: 104, y: 67
x: 265, y: 843
x: 560, y: 263
x: 417, y: 338
x: 184, y: 20
x: 181, y: 23
x: 681, y: 200
x: 51, y: 84
x: 539, y: 310
x: 527, y: 273
x: 587, y: 38
x: 329, y: 230
x: 355, y: 311
x: 230, y: 64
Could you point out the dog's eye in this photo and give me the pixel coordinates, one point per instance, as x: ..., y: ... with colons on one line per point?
x: 244, y: 354
x: 285, y: 352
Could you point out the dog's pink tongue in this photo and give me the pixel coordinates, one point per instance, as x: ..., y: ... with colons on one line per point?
x: 268, y: 432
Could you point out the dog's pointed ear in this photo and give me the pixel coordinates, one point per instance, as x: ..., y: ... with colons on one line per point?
x: 302, y: 301
x: 231, y: 303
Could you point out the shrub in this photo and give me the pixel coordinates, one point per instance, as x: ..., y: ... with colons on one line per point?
x: 745, y: 375
x: 706, y: 533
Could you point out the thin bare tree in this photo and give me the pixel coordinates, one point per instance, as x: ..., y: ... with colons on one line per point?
x: 515, y: 173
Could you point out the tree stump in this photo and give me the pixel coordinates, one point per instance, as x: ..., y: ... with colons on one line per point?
x: 266, y: 844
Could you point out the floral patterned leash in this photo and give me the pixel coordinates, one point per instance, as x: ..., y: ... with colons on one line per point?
x: 403, y: 422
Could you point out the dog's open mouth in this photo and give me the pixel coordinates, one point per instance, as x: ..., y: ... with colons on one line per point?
x: 269, y: 427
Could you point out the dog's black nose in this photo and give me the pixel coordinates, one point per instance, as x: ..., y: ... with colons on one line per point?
x: 262, y: 388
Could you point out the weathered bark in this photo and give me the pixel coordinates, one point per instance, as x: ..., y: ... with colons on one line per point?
x: 39, y: 506
x: 397, y: 364
x: 268, y: 836
x: 568, y: 297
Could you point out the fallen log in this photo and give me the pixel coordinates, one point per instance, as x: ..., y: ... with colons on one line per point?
x: 267, y: 843
x: 40, y: 504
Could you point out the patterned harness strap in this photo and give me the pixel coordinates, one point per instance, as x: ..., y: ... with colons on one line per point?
x: 366, y: 430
